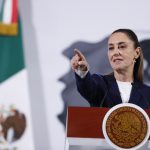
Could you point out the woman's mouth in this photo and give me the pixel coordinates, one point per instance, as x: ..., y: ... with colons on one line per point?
x: 117, y: 60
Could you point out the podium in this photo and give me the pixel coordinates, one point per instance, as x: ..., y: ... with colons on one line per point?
x: 84, y: 127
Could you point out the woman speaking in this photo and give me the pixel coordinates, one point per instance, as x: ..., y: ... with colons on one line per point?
x: 124, y: 84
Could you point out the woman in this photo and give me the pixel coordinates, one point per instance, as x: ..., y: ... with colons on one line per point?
x: 125, y: 84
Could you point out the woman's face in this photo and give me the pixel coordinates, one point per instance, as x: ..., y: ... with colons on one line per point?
x: 121, y: 52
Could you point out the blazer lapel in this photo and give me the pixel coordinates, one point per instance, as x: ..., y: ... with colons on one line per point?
x: 115, y: 96
x: 135, y: 96
x: 114, y: 90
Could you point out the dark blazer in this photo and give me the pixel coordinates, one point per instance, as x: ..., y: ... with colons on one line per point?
x: 103, y: 91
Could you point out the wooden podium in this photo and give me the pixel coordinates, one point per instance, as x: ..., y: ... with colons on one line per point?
x: 84, y: 127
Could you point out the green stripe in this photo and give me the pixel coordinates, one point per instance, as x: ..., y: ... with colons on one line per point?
x: 11, y: 55
x: 2, y: 10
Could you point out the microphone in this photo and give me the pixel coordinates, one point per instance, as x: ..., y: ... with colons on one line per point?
x: 106, y: 92
x: 101, y: 103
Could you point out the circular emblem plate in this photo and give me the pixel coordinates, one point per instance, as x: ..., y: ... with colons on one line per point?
x: 126, y: 126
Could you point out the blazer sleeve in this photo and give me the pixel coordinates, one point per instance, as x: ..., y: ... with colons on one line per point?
x: 92, y: 88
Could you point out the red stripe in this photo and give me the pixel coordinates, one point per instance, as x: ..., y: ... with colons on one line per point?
x: 14, y: 11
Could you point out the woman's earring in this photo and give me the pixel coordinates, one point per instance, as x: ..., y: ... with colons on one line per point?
x: 134, y: 60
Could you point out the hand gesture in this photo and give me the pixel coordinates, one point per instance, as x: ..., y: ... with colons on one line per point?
x: 78, y: 61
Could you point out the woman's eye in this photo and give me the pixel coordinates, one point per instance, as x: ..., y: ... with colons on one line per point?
x: 111, y: 48
x: 122, y: 46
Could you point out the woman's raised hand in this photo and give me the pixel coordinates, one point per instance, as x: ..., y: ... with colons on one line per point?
x: 78, y: 61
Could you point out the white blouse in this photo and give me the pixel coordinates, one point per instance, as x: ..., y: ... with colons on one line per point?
x: 125, y: 90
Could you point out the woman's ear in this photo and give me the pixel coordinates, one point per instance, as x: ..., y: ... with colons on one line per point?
x: 137, y: 52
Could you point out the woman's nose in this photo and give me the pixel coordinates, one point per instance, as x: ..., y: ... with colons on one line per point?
x: 116, y: 51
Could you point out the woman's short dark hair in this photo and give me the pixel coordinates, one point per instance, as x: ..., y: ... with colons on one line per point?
x: 138, y: 67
